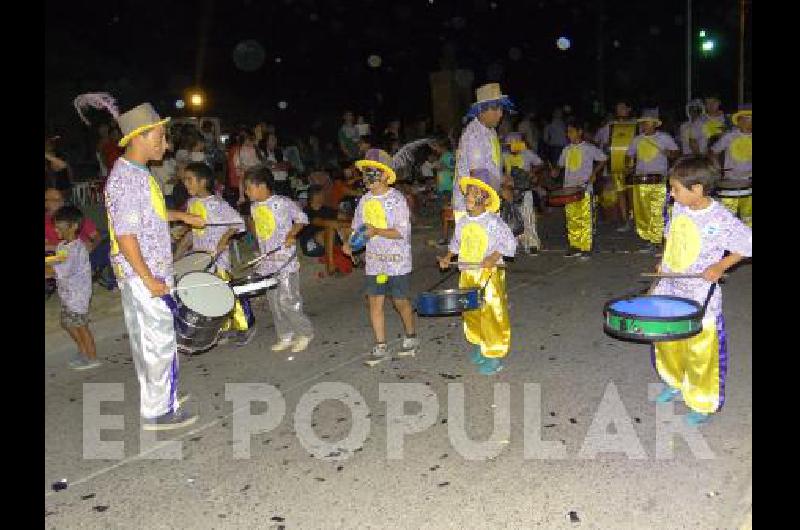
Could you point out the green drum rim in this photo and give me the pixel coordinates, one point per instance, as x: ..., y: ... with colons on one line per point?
x: 652, y: 329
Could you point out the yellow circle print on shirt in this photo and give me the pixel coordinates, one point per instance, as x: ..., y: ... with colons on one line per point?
x: 198, y: 208
x: 683, y: 244
x: 264, y: 222
x: 497, y: 153
x: 712, y: 128
x: 157, y: 199
x: 474, y: 242
x: 374, y: 214
x: 742, y: 148
x: 647, y: 149
x: 574, y: 158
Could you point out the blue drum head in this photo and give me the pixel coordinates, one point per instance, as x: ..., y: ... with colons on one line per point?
x: 655, y: 306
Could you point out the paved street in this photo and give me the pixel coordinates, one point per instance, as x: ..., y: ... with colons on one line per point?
x: 558, y: 343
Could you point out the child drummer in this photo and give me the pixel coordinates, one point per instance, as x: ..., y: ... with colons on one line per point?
x: 199, y: 181
x: 276, y: 221
x: 384, y: 212
x: 580, y: 169
x: 652, y: 150
x: 481, y: 239
x: 738, y: 147
x: 700, y: 232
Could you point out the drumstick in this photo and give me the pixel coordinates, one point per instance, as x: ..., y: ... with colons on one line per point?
x: 199, y: 285
x: 259, y: 258
x: 674, y: 275
x: 473, y: 265
x: 222, y: 224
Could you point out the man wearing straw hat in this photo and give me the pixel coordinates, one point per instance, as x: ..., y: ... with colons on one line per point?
x: 141, y: 255
x: 652, y: 150
x: 479, y: 147
x: 738, y: 162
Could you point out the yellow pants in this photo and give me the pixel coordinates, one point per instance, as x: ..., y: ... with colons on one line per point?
x: 238, y: 320
x: 696, y: 366
x: 489, y: 326
x: 579, y: 223
x: 648, y: 211
x: 742, y: 207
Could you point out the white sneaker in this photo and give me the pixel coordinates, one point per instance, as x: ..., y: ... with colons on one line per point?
x: 300, y: 344
x: 378, y: 354
x: 284, y: 344
x: 409, y: 347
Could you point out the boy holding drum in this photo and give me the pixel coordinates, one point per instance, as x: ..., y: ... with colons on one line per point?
x: 580, y: 170
x: 481, y: 239
x: 699, y: 234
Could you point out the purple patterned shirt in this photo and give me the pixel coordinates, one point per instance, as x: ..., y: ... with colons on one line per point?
x: 578, y: 162
x: 214, y: 210
x: 695, y: 240
x: 273, y: 219
x: 478, y: 148
x: 738, y: 147
x: 650, y: 152
x: 74, y: 276
x: 477, y: 237
x: 390, y: 210
x: 136, y: 207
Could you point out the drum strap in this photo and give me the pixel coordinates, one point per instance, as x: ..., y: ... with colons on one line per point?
x: 708, y: 297
x: 440, y: 282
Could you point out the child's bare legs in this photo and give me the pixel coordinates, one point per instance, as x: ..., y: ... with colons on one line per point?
x: 77, y: 337
x: 88, y: 342
x: 403, y: 306
x: 376, y: 318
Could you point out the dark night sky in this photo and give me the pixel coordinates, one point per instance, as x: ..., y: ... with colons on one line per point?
x: 149, y: 51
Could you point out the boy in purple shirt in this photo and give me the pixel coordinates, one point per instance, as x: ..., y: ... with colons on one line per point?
x: 580, y: 169
x: 481, y: 239
x: 73, y: 274
x: 699, y: 234
x: 276, y: 221
x: 384, y: 212
x: 652, y: 150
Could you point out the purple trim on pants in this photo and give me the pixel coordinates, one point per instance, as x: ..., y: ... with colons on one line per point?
x: 722, y: 339
x: 173, y: 384
x: 666, y: 210
x: 248, y: 312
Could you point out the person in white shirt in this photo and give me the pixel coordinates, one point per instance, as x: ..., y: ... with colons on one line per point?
x: 693, y: 141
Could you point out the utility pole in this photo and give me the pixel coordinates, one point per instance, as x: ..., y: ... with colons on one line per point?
x: 601, y: 95
x: 689, y: 37
x: 741, y: 50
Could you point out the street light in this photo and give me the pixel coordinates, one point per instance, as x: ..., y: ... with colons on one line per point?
x: 196, y: 100
x: 707, y: 45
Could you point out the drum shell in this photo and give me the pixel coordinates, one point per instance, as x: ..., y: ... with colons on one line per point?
x: 448, y: 302
x: 199, y: 253
x: 195, y: 332
x: 732, y: 188
x: 564, y: 197
x: 638, y: 328
x: 634, y: 180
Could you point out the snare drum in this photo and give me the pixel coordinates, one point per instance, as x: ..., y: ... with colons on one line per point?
x: 192, y: 262
x: 201, y: 311
x: 734, y: 188
x: 653, y: 318
x: 567, y: 195
x: 253, y: 285
x: 654, y: 178
x: 448, y: 302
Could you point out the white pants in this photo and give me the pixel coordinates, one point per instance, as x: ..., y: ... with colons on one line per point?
x: 151, y: 332
x: 529, y: 237
x: 287, y: 308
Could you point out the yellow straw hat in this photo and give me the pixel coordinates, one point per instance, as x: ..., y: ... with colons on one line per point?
x: 378, y: 159
x: 480, y: 178
x: 745, y: 111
